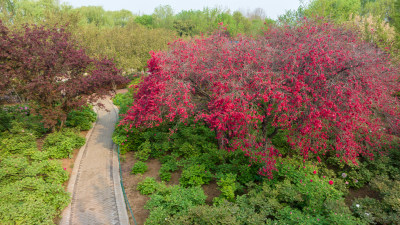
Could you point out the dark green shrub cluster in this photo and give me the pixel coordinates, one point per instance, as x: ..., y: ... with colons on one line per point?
x: 31, y: 190
x: 169, y: 164
x: 227, y: 186
x: 195, y: 175
x: 82, y: 119
x: 61, y: 144
x: 143, y: 152
x: 173, y: 201
x: 20, y: 143
x: 380, y: 211
x: 148, y: 186
x: 139, y: 167
x: 19, y: 118
x: 31, y: 200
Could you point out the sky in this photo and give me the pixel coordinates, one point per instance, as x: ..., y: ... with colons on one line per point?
x: 272, y: 8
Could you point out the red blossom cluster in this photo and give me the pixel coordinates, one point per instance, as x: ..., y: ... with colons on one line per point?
x: 330, y: 91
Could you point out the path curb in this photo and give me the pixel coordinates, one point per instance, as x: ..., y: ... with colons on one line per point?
x: 119, y: 197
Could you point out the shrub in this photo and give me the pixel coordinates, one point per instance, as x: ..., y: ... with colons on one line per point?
x: 323, y: 86
x: 5, y: 120
x: 22, y: 143
x: 81, y: 119
x: 31, y: 200
x: 227, y: 186
x: 128, y: 140
x: 204, y: 214
x: 195, y: 175
x: 148, y: 186
x: 61, y: 144
x: 14, y: 168
x: 143, y: 152
x: 139, y: 167
x: 175, y: 200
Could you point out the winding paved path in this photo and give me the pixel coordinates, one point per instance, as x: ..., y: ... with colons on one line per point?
x: 95, y: 182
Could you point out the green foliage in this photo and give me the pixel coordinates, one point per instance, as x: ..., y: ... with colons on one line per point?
x: 31, y: 200
x: 15, y: 168
x: 174, y: 200
x: 143, y: 152
x: 186, y: 150
x: 204, y: 214
x: 227, y: 186
x: 380, y: 211
x: 128, y: 140
x: 145, y: 20
x: 194, y: 138
x: 129, y: 45
x: 5, y: 120
x: 148, y: 186
x: 81, y: 119
x: 61, y: 144
x: 169, y: 164
x: 195, y: 175
x: 338, y: 10
x: 139, y: 167
x: 17, y: 143
x: 18, y: 118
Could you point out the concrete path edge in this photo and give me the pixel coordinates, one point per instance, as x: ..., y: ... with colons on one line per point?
x: 119, y: 196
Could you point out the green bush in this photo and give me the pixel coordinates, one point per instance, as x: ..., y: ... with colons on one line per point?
x: 19, y: 118
x: 16, y: 168
x: 143, y: 152
x: 20, y: 143
x: 148, y: 186
x: 31, y: 200
x: 5, y: 120
x: 227, y: 186
x: 195, y: 175
x: 61, y: 144
x: 82, y: 118
x: 204, y: 214
x: 128, y: 140
x: 169, y: 165
x: 174, y: 200
x: 139, y: 167
x: 384, y: 211
x: 165, y: 175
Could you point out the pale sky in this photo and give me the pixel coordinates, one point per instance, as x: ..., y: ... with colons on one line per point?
x: 272, y: 8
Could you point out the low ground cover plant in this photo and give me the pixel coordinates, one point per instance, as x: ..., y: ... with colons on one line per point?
x: 61, y: 144
x: 139, y: 167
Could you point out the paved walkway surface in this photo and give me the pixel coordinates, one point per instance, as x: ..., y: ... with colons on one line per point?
x: 94, y: 184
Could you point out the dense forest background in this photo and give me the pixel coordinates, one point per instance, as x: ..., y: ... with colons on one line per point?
x: 128, y: 38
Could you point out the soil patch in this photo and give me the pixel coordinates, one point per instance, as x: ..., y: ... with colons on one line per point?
x: 136, y: 200
x: 212, y: 191
x: 363, y: 192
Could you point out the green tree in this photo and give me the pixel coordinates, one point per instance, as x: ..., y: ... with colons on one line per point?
x: 163, y: 16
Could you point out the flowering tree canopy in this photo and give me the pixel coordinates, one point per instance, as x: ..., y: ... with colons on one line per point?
x: 327, y: 89
x: 46, y: 68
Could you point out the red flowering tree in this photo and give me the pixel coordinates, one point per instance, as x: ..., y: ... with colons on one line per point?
x: 320, y: 83
x: 45, y: 67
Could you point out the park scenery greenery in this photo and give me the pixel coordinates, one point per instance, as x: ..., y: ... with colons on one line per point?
x: 292, y: 121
